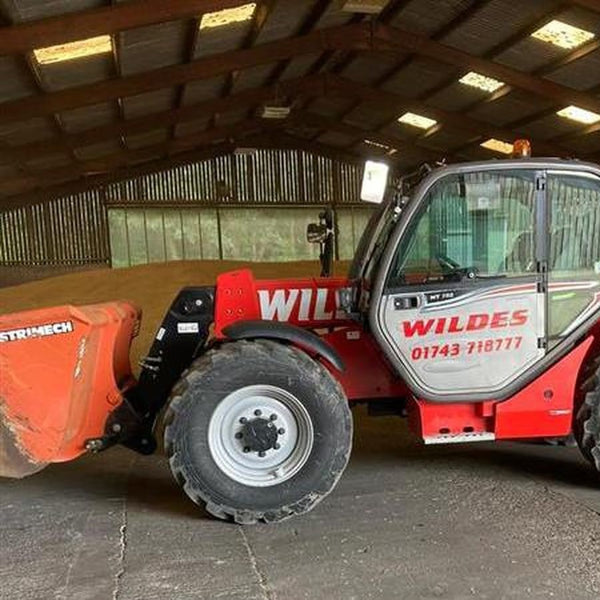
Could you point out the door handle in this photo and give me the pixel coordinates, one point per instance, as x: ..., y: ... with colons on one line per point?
x: 406, y: 302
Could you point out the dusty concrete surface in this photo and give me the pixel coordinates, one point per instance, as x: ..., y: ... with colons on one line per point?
x: 473, y: 521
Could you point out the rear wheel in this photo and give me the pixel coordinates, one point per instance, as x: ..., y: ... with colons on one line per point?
x: 258, y: 431
x: 586, y: 427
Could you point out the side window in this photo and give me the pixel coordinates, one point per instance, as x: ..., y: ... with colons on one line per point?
x: 574, y: 250
x: 476, y: 224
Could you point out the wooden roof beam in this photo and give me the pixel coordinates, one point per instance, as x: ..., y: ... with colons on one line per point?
x: 306, y: 86
x: 358, y: 134
x: 350, y: 36
x: 24, y: 37
x: 457, y: 120
x: 318, y: 10
x: 124, y: 159
x: 264, y: 9
x: 55, y: 191
x: 286, y: 141
x: 265, y: 140
x: 395, y: 40
x: 591, y: 4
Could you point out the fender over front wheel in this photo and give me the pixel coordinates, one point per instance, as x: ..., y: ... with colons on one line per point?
x: 258, y: 430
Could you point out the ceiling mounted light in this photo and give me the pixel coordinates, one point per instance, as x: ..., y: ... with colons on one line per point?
x: 563, y: 35
x: 275, y: 112
x: 367, y: 7
x: 574, y: 113
x: 482, y: 82
x: 245, y: 151
x: 498, y: 146
x: 101, y: 44
x: 390, y: 150
x: 227, y: 16
x: 417, y: 120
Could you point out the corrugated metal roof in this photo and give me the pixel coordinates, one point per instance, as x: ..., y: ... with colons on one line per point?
x: 355, y: 77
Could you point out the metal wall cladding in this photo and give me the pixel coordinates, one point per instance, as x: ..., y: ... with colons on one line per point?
x: 74, y: 230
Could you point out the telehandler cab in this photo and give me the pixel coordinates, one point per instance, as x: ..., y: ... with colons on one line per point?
x: 472, y: 306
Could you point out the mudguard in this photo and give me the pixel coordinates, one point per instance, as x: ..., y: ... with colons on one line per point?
x: 273, y: 330
x: 62, y: 372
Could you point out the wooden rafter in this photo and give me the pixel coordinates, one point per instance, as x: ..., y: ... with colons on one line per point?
x: 265, y: 140
x: 357, y: 134
x: 124, y: 159
x: 264, y: 9
x: 73, y: 187
x: 453, y: 119
x: 591, y: 4
x: 118, y: 72
x: 387, y: 17
x: 549, y: 12
x: 21, y: 38
x: 319, y: 9
x: 309, y: 86
x: 46, y: 104
x: 147, y: 153
x: 393, y: 39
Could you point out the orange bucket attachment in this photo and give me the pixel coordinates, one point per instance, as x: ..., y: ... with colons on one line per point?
x: 62, y: 372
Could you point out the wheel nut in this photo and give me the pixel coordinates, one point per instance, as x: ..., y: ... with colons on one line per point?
x: 246, y: 449
x: 276, y: 446
x: 273, y: 417
x: 258, y: 412
x: 239, y: 435
x: 243, y: 420
x: 281, y: 431
x: 262, y: 454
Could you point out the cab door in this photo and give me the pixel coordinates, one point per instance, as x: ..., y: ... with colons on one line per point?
x: 574, y: 252
x: 462, y: 310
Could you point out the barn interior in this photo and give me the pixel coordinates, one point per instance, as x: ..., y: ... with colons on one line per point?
x: 148, y: 145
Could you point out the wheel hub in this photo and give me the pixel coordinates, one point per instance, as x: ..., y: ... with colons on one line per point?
x: 259, y: 435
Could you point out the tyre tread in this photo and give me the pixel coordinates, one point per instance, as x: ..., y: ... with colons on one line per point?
x: 240, y: 350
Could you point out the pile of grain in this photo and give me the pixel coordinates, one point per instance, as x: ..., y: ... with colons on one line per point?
x: 151, y: 287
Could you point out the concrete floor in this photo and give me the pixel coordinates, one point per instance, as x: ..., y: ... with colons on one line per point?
x: 471, y: 521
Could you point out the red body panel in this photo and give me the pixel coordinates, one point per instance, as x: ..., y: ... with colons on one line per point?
x: 544, y: 408
x: 310, y: 303
x: 62, y: 371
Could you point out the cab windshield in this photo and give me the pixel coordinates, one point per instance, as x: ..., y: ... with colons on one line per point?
x: 375, y: 236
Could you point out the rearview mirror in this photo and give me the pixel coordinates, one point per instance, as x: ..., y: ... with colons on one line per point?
x: 316, y: 233
x: 374, y: 183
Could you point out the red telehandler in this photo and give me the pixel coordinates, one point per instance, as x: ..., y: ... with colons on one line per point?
x: 471, y: 307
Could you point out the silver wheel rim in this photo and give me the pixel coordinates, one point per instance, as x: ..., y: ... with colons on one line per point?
x: 279, y: 409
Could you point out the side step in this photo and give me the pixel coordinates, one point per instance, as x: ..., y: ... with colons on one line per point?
x: 460, y: 438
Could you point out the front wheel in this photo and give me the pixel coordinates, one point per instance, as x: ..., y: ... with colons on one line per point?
x: 258, y: 431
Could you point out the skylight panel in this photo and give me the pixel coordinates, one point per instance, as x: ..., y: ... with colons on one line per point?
x: 563, y: 35
x: 498, y: 146
x: 417, y: 120
x: 574, y: 113
x: 228, y: 16
x: 482, y: 82
x: 101, y: 44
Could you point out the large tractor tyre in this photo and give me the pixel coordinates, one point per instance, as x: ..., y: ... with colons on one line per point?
x: 257, y: 431
x: 586, y: 426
